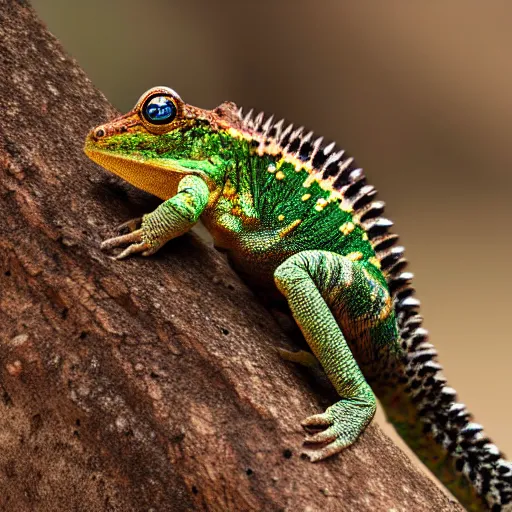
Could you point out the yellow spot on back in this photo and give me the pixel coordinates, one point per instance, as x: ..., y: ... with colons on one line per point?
x: 386, y: 310
x: 280, y: 217
x: 309, y: 181
x: 288, y: 229
x: 280, y: 175
x: 347, y: 228
x: 365, y: 236
x: 374, y: 261
x: 320, y: 204
x: 346, y: 208
x: 305, y: 197
x: 355, y: 256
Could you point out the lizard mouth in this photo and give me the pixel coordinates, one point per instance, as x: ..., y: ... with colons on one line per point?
x: 157, y: 176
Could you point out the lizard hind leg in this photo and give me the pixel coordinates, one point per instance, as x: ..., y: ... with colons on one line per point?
x: 310, y: 281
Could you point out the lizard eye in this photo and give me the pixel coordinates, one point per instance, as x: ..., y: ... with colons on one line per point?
x: 159, y: 110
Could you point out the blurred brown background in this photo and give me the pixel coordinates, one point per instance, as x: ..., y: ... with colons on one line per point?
x: 419, y: 92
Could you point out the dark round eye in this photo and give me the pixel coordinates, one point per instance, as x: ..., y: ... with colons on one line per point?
x: 159, y: 110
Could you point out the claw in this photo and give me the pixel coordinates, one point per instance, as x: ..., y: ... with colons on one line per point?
x: 325, y: 452
x: 339, y: 426
x: 151, y: 249
x: 311, y: 455
x: 130, y: 225
x: 133, y: 249
x: 325, y: 436
x: 316, y: 422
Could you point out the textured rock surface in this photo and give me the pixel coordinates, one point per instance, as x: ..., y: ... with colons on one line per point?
x: 150, y: 384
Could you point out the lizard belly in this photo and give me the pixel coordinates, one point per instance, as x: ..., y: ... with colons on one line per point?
x: 255, y: 262
x: 253, y: 252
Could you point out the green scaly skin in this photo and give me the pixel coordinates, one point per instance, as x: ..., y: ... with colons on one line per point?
x: 298, y: 221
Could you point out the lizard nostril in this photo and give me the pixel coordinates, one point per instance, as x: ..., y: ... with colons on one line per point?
x: 100, y: 132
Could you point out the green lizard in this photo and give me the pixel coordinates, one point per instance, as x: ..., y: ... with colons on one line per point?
x: 298, y: 220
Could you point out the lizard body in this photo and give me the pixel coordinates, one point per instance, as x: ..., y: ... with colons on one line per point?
x: 298, y: 221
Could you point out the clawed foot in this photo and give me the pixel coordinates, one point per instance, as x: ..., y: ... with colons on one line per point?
x: 338, y: 427
x: 134, y: 240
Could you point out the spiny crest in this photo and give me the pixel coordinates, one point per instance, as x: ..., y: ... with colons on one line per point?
x: 318, y: 158
x: 447, y: 420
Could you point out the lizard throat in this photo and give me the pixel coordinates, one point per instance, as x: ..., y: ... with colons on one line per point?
x: 156, y: 177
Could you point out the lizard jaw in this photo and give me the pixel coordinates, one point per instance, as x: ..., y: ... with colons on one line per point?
x: 152, y: 176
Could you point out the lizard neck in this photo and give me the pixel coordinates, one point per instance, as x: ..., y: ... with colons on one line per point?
x: 233, y: 212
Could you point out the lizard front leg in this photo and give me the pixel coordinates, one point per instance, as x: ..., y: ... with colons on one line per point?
x: 309, y: 280
x: 172, y: 218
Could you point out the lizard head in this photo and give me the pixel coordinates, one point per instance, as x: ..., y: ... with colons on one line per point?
x: 163, y: 139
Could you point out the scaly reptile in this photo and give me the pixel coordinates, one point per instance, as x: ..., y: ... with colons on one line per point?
x: 298, y: 220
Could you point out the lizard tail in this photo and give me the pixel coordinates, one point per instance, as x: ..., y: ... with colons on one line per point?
x: 426, y: 413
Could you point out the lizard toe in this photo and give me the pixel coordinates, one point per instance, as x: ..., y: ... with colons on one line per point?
x: 316, y: 422
x: 339, y: 426
x: 325, y: 436
x: 133, y: 249
x: 130, y: 225
x: 326, y: 451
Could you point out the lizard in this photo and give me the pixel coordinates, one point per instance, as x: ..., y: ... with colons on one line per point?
x: 300, y: 223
